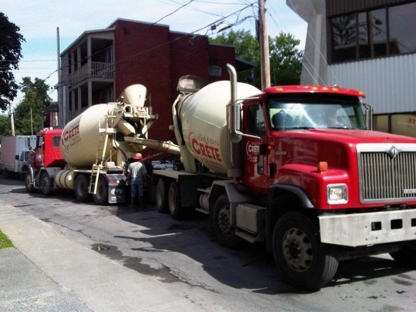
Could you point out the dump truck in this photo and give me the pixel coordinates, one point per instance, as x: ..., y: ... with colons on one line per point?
x: 14, y: 154
x: 90, y: 154
x: 294, y: 168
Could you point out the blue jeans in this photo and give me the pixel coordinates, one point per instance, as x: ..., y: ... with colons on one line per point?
x: 136, y: 187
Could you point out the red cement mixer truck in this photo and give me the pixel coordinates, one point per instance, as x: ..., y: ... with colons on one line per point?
x: 89, y: 155
x: 295, y: 168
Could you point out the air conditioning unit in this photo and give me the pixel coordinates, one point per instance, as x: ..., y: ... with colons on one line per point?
x: 215, y: 71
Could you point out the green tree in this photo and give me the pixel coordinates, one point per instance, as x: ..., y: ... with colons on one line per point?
x: 285, y: 57
x: 28, y: 117
x: 10, y: 55
x: 246, y: 48
x: 5, y: 128
x: 285, y: 60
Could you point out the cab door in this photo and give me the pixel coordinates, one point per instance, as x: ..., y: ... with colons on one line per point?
x: 255, y: 157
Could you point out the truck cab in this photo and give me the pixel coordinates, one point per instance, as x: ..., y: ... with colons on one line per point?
x: 45, y: 160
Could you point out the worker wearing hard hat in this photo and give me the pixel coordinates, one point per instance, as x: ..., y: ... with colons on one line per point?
x: 136, y: 173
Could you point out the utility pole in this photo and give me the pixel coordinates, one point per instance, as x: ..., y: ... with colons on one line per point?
x: 61, y: 104
x: 264, y: 46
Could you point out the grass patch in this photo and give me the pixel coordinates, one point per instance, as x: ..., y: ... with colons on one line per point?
x: 5, y: 242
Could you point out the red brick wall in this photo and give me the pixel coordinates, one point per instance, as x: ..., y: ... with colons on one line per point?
x: 155, y: 57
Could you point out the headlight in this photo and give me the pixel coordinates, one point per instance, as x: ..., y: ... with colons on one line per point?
x: 337, y: 194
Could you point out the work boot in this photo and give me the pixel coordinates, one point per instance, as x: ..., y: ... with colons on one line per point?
x: 132, y: 203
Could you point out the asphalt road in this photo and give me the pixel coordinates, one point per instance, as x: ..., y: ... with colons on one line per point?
x: 185, y: 256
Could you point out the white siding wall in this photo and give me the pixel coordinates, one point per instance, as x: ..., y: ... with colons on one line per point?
x: 389, y: 83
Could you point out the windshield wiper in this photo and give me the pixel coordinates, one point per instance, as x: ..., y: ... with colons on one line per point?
x: 344, y: 127
x: 299, y: 127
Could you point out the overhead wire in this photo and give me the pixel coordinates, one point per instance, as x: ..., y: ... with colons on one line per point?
x: 250, y: 4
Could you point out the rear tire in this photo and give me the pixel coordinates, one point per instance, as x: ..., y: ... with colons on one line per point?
x: 174, y: 201
x: 101, y: 197
x: 81, y: 187
x: 162, y: 196
x: 303, y: 260
x: 224, y: 231
x: 45, y: 184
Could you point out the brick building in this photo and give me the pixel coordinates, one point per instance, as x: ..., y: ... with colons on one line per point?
x: 99, y: 64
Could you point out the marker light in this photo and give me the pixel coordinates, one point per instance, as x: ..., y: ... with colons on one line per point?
x: 322, y: 166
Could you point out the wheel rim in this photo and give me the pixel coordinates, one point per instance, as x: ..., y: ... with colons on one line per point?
x: 297, y: 250
x: 224, y: 220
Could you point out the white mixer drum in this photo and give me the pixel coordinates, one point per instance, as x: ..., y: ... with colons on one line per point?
x: 80, y: 140
x: 204, y: 123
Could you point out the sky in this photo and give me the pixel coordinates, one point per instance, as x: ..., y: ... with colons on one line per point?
x: 40, y: 21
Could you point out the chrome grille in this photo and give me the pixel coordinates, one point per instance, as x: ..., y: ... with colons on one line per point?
x: 387, y: 174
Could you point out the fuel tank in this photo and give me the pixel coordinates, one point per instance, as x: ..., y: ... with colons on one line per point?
x: 203, y: 121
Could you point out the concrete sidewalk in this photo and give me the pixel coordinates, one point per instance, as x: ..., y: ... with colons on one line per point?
x: 48, y: 272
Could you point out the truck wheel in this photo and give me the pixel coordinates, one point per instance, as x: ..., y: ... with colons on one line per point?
x: 45, y: 184
x: 174, y: 202
x: 6, y: 173
x: 81, y: 187
x: 161, y: 196
x: 29, y: 183
x: 101, y: 197
x: 303, y: 260
x: 405, y: 256
x: 224, y: 231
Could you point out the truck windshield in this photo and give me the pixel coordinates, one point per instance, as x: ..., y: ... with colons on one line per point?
x: 315, y: 111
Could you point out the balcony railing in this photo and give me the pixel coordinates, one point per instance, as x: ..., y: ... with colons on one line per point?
x: 102, y: 70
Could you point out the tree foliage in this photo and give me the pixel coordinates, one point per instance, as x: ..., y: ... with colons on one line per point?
x: 285, y: 60
x: 246, y: 48
x: 10, y: 55
x: 5, y: 128
x: 285, y: 57
x: 28, y: 117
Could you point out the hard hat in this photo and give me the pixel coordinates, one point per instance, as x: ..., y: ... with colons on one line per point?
x: 138, y: 156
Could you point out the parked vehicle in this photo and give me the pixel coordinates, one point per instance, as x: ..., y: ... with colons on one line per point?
x: 89, y: 155
x: 296, y: 168
x: 15, y: 154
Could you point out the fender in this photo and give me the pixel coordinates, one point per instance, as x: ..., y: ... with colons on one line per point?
x: 32, y: 173
x: 273, y: 209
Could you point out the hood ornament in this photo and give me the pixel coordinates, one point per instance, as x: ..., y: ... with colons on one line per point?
x: 393, y: 152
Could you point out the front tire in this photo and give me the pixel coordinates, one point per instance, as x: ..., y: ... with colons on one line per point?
x: 29, y: 183
x: 303, y: 260
x: 405, y: 256
x: 45, y: 184
x: 224, y: 231
x: 101, y: 196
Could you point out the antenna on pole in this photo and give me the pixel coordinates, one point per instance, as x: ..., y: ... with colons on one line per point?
x: 264, y: 46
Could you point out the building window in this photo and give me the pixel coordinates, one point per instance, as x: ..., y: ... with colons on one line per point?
x: 375, y: 33
x: 215, y: 71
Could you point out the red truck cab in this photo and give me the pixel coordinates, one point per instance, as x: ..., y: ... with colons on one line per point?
x: 47, y: 153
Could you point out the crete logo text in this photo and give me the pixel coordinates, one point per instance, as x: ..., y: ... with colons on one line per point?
x: 204, y: 146
x: 252, y: 150
x: 71, y: 135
